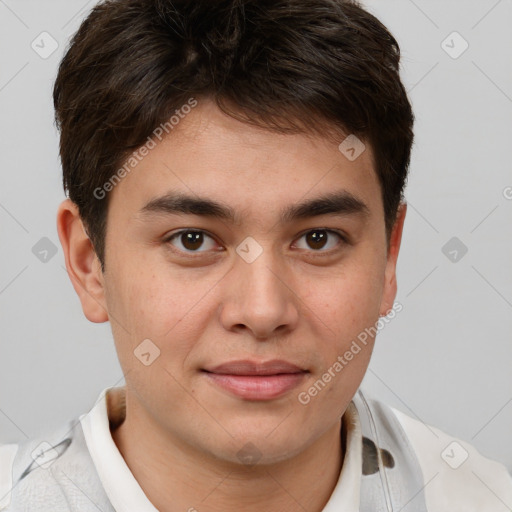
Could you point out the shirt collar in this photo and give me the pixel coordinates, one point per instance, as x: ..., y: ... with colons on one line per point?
x: 125, y: 493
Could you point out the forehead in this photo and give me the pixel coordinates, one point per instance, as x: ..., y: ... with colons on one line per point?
x: 210, y: 155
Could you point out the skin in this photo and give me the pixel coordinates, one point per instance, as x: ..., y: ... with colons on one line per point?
x: 298, y: 302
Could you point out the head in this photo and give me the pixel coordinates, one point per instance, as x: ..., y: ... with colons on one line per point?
x: 235, y: 172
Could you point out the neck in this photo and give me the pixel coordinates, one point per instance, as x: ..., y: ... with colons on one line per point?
x: 175, y: 477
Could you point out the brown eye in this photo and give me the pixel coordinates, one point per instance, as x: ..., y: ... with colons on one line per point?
x: 318, y: 239
x: 191, y: 241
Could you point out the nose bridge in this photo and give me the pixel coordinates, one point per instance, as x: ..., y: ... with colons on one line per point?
x: 262, y: 286
x: 260, y: 300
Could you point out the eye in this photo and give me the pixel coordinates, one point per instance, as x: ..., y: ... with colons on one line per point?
x: 319, y: 238
x: 190, y: 241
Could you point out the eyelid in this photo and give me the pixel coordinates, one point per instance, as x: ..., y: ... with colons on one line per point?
x: 338, y: 232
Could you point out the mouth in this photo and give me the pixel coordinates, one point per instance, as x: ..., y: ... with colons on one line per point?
x: 253, y: 380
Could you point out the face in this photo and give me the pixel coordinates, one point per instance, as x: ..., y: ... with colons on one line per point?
x: 249, y: 306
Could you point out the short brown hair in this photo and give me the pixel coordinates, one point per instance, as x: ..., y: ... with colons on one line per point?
x: 287, y: 65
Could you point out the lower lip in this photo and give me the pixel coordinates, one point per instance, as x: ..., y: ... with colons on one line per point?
x: 257, y: 387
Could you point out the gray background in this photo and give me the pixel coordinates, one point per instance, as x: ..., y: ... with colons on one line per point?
x: 446, y: 358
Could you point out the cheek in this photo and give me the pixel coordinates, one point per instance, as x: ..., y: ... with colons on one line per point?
x: 163, y: 306
x: 150, y: 296
x: 348, y: 300
x: 347, y: 308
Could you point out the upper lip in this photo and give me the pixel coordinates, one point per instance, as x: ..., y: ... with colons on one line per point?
x: 246, y: 367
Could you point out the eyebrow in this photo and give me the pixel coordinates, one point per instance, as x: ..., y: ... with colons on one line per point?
x: 341, y: 203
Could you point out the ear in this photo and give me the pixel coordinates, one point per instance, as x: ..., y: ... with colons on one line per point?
x: 82, y: 264
x: 390, y: 286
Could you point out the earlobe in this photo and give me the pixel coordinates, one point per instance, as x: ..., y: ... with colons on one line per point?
x: 82, y: 264
x: 390, y: 284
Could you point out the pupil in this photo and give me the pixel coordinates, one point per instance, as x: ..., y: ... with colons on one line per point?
x: 317, y: 239
x: 192, y: 240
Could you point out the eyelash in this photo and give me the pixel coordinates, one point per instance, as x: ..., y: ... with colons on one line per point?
x: 193, y: 254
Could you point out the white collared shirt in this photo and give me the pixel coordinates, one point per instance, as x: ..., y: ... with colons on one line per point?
x: 452, y: 475
x: 126, y: 495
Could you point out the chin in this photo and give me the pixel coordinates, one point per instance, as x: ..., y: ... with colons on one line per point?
x: 256, y: 447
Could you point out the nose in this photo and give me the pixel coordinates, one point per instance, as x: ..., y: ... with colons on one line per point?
x: 259, y: 298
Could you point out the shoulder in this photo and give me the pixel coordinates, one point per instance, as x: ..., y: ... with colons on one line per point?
x: 51, y: 472
x: 455, y: 474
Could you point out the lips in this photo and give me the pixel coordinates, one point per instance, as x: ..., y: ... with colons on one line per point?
x: 245, y: 367
x: 253, y: 380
